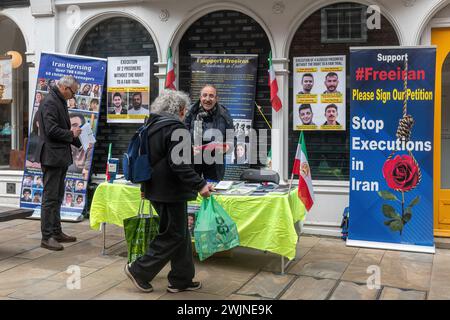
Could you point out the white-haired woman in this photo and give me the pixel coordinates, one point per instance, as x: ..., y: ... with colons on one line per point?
x: 173, y: 183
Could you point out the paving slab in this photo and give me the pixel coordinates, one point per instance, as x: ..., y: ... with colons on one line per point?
x: 353, y: 291
x: 22, y: 276
x: 91, y: 286
x: 400, y: 294
x: 36, y: 290
x: 267, y: 285
x: 403, y: 272
x: 334, y: 245
x: 330, y: 265
x: 308, y: 288
x: 440, y: 278
x: 12, y: 262
x: 190, y: 295
x: 64, y: 275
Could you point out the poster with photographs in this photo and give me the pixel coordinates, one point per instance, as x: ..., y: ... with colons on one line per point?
x: 241, y: 146
x: 319, y: 93
x: 6, y: 78
x: 128, y: 89
x: 84, y: 109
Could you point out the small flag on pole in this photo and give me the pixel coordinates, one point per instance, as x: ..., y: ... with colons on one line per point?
x: 170, y: 75
x: 107, y: 163
x: 302, y: 169
x: 274, y: 99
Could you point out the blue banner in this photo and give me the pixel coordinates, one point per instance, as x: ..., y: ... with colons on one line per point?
x: 84, y: 109
x: 391, y: 146
x: 234, y: 76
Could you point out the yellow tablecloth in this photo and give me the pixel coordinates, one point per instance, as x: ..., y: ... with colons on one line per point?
x: 263, y: 222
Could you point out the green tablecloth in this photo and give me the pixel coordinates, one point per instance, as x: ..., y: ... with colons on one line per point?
x: 263, y: 222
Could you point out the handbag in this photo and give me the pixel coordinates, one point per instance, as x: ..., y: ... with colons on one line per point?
x: 140, y: 230
x: 214, y: 230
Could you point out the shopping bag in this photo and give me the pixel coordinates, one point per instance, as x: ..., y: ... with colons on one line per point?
x: 214, y: 230
x: 140, y: 230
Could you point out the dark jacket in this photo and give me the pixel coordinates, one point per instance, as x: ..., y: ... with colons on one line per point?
x: 55, y: 137
x: 219, y: 119
x: 170, y: 182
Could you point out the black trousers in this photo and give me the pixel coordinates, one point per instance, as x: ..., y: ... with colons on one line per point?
x: 173, y: 243
x: 52, y: 199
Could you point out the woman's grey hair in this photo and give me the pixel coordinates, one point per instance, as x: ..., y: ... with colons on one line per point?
x: 171, y: 101
x: 67, y: 81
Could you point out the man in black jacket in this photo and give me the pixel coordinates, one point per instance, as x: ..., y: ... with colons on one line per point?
x: 53, y: 149
x: 207, y: 114
x: 173, y: 183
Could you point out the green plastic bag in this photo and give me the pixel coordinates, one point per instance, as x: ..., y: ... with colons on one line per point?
x: 139, y: 232
x: 214, y: 230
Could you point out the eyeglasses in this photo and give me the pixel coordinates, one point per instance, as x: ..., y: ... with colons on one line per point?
x: 73, y: 93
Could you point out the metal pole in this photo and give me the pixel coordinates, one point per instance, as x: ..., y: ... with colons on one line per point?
x: 104, y: 238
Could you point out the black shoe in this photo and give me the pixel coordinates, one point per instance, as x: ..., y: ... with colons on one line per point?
x: 51, y: 244
x: 191, y: 287
x: 141, y: 285
x: 62, y: 237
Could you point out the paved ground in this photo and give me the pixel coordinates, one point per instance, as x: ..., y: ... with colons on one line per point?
x: 323, y: 269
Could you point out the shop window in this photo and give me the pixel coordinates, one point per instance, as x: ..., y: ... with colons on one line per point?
x: 328, y: 152
x: 14, y: 98
x: 112, y: 38
x: 241, y: 28
x: 344, y: 23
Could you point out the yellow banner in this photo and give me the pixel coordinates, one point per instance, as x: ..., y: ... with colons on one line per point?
x: 128, y: 89
x: 331, y: 98
x: 306, y: 98
x: 306, y: 127
x: 331, y: 69
x: 302, y: 70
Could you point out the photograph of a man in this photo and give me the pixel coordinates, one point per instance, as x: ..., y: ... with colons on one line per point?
x: 26, y: 195
x: 331, y: 82
x: 38, y: 183
x: 331, y: 113
x: 117, y: 104
x: 307, y: 83
x: 79, y: 202
x: 172, y: 185
x: 306, y: 114
x: 93, y: 105
x: 28, y: 181
x: 42, y: 85
x: 68, y: 202
x: 79, y: 186
x: 136, y: 106
x: 56, y: 135
x: 37, y: 197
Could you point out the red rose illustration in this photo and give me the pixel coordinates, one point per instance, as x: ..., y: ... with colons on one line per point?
x: 401, y: 173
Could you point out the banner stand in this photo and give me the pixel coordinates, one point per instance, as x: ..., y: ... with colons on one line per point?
x: 390, y: 246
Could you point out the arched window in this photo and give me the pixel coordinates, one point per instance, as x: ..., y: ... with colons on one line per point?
x: 228, y: 32
x: 332, y: 31
x: 117, y: 37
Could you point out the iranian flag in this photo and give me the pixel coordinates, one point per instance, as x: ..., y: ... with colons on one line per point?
x: 274, y: 99
x: 170, y: 75
x: 301, y: 168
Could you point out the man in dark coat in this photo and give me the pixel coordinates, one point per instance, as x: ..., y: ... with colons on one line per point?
x: 173, y: 183
x: 207, y: 114
x: 53, y: 149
